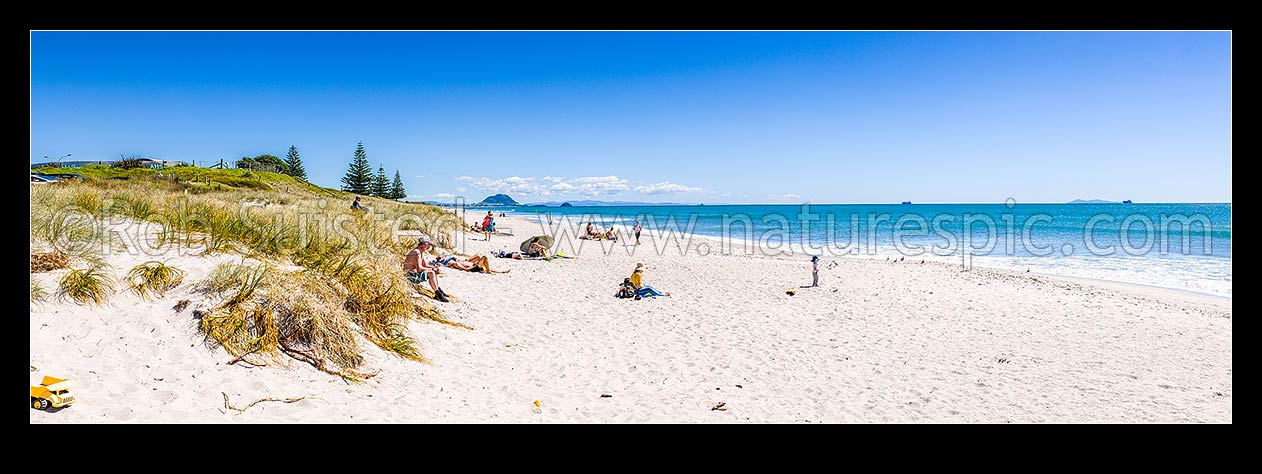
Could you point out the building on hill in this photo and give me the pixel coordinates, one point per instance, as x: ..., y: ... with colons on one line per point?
x: 144, y: 162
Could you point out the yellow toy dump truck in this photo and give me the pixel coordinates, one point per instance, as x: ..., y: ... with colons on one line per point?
x: 52, y: 392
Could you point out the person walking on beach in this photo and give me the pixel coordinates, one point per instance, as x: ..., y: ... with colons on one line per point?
x: 420, y: 271
x: 488, y: 225
x: 637, y: 282
x: 636, y: 228
x: 814, y: 270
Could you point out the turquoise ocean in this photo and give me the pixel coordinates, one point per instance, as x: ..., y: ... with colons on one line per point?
x: 1184, y: 246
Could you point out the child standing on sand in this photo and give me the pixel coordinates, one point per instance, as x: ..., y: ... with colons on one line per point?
x: 814, y: 270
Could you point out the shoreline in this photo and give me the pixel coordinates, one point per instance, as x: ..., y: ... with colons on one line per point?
x: 1134, y: 286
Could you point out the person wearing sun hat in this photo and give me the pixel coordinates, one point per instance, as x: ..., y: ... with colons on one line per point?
x: 420, y: 271
x: 637, y: 282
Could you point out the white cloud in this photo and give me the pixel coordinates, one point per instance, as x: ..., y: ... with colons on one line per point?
x: 667, y: 187
x: 783, y: 197
x: 427, y: 197
x: 461, y: 189
x: 598, y: 185
x: 584, y: 186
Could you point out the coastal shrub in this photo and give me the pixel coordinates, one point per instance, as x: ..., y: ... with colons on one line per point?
x: 154, y: 278
x: 127, y: 164
x: 92, y: 284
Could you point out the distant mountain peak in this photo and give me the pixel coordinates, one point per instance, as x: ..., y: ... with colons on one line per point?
x: 499, y: 200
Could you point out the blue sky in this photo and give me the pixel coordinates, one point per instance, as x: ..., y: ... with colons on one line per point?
x: 737, y: 117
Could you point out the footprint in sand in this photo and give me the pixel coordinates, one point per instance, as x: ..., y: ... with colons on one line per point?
x: 120, y: 414
x: 165, y: 396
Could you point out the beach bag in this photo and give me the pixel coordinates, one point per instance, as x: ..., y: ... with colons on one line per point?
x: 625, y: 290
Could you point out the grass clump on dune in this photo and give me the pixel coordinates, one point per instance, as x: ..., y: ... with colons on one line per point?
x: 154, y: 278
x: 295, y: 314
x: 313, y: 315
x: 37, y: 292
x: 132, y: 205
x: 92, y: 284
x: 88, y: 201
x: 229, y: 276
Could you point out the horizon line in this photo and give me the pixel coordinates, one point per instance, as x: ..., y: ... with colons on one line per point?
x: 814, y: 203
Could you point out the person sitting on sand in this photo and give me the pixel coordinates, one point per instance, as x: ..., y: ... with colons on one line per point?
x: 609, y: 235
x: 537, y: 251
x: 637, y: 281
x: 591, y: 231
x: 420, y: 271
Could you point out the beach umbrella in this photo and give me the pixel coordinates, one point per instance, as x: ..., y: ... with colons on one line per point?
x: 544, y: 240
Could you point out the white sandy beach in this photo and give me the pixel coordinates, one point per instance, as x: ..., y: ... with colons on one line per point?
x: 877, y: 342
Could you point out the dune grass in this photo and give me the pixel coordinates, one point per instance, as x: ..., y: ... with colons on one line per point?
x: 154, y: 278
x: 60, y: 228
x: 223, y: 277
x: 296, y: 314
x: 350, y: 284
x: 90, y: 285
x: 132, y: 205
x: 37, y: 292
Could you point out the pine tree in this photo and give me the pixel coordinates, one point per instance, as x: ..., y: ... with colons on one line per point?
x: 295, y: 164
x: 358, y: 177
x: 396, y: 190
x: 380, y: 186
